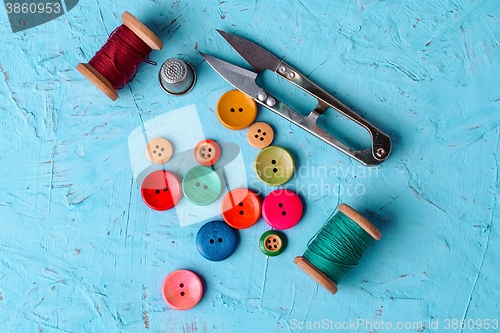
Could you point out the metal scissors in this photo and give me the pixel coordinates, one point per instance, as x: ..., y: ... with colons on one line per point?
x: 260, y: 59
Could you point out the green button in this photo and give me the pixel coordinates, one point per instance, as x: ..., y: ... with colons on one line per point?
x: 272, y: 243
x: 201, y: 185
x: 274, y: 165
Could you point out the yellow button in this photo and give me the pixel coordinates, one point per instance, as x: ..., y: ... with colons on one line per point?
x: 159, y: 150
x: 236, y: 110
x: 260, y: 135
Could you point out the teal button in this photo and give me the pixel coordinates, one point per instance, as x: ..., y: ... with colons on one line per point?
x: 201, y: 186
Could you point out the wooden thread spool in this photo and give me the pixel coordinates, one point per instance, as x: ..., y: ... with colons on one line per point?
x: 141, y: 31
x: 317, y: 274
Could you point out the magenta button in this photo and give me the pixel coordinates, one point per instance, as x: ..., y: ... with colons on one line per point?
x: 182, y: 290
x: 282, y: 209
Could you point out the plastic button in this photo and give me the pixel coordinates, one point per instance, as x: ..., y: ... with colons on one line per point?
x: 201, y: 186
x: 272, y: 243
x: 274, y: 165
x: 241, y: 208
x: 260, y: 135
x: 182, y: 289
x: 282, y: 209
x: 236, y: 110
x: 161, y: 190
x: 216, y: 241
x: 207, y: 152
x: 159, y: 150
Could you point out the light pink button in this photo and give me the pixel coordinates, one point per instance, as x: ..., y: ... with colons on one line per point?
x: 182, y: 289
x: 282, y: 209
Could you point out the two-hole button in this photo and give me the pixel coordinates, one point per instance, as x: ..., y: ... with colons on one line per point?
x: 182, y: 289
x: 201, y: 185
x: 241, y: 208
x: 274, y: 166
x: 236, y: 110
x: 161, y: 190
x: 282, y: 209
x: 216, y: 241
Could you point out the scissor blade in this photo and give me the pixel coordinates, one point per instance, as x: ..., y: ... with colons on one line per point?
x: 242, y: 79
x: 255, y: 55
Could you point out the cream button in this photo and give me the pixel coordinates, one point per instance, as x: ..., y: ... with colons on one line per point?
x: 159, y: 150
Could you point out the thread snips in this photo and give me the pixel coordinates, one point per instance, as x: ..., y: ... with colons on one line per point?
x: 260, y: 59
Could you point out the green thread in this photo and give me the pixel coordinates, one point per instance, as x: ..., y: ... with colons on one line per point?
x: 338, y: 246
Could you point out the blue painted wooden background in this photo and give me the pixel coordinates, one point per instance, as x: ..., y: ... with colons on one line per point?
x: 81, y: 252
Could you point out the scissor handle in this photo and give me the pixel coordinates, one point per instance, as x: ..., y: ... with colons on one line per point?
x: 381, y: 143
x: 366, y: 157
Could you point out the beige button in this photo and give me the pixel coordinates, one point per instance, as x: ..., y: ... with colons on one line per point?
x: 260, y: 135
x: 273, y: 243
x: 159, y: 150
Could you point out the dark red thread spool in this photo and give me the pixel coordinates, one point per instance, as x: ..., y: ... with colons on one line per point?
x: 114, y: 65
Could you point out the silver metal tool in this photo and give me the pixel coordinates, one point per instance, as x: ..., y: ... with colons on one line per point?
x: 177, y: 77
x: 260, y: 59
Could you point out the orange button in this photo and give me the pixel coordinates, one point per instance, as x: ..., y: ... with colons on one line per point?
x: 236, y: 110
x: 241, y: 208
x: 159, y: 150
x: 207, y: 152
x: 260, y: 135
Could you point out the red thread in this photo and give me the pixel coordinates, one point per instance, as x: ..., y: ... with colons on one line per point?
x: 118, y: 59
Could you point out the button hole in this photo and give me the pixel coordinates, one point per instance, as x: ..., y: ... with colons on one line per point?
x: 275, y: 246
x: 241, y: 212
x: 181, y: 285
x: 212, y: 241
x: 209, y: 155
x: 232, y: 109
x: 183, y: 293
x: 157, y: 191
x: 256, y: 136
x: 220, y: 240
x: 283, y: 213
x: 274, y: 240
x: 280, y: 205
x: 273, y: 161
x: 264, y: 133
x: 163, y: 149
x: 240, y: 109
x: 209, y: 149
x: 157, y: 146
x: 240, y: 204
x: 261, y: 139
x: 198, y: 184
x: 258, y: 131
x: 275, y: 170
x: 205, y: 187
x: 165, y: 189
x: 154, y: 151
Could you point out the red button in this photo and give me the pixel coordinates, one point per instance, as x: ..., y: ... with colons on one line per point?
x: 182, y: 289
x: 161, y: 190
x: 282, y: 209
x: 241, y: 208
x: 207, y: 152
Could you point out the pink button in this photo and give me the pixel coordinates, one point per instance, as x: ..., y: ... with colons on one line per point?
x: 182, y: 289
x: 282, y: 209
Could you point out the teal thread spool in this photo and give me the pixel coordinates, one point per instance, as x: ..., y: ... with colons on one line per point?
x: 337, y: 247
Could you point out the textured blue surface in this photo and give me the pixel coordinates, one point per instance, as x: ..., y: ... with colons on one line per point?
x: 216, y: 240
x: 81, y: 252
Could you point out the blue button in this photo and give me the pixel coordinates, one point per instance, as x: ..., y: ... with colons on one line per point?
x: 216, y: 241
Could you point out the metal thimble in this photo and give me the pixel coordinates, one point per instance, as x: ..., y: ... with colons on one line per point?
x: 177, y: 76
